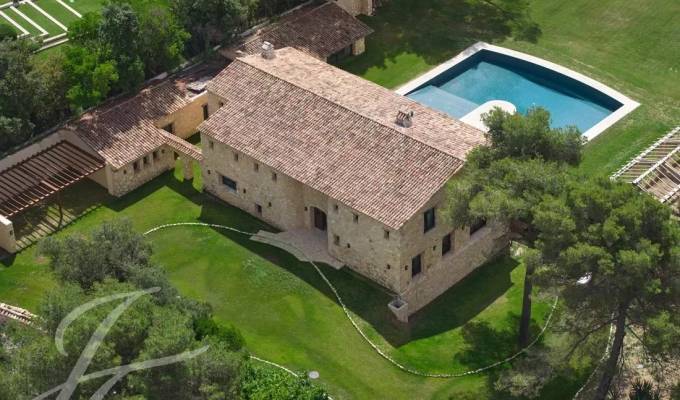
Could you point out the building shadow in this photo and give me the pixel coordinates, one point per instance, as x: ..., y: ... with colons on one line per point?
x: 363, y: 297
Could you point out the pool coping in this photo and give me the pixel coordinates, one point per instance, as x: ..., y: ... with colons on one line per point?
x: 628, y: 104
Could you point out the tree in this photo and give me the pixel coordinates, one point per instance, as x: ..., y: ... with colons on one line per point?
x: 506, y: 180
x: 6, y: 32
x: 30, y: 93
x: 119, y: 35
x: 162, y: 40
x: 212, y: 21
x: 113, y: 250
x: 613, y: 254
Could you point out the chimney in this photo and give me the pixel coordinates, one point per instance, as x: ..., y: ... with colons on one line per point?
x: 268, y: 51
x: 405, y: 118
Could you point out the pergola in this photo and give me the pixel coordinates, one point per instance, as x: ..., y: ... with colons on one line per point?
x: 657, y: 170
x: 45, y: 173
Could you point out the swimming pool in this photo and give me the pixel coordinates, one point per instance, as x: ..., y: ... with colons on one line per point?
x: 485, y: 73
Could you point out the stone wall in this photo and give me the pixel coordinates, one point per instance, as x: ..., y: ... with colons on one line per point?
x: 364, y: 245
x: 127, y: 178
x: 359, y: 47
x: 356, y: 7
x: 280, y: 197
x: 440, y: 272
x: 8, y: 241
x: 186, y: 120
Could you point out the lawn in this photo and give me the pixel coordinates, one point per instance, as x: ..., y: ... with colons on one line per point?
x: 632, y: 46
x: 287, y: 313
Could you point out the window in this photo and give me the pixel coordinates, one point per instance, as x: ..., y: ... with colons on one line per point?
x: 135, y: 166
x: 258, y: 209
x: 169, y: 128
x: 274, y: 176
x: 221, y: 104
x: 146, y: 160
x: 269, y: 204
x: 416, y: 265
x: 230, y: 183
x: 256, y: 167
x: 155, y: 155
x: 428, y: 220
x: 446, y: 244
x: 477, y: 225
x: 386, y: 234
x: 335, y: 207
x: 211, y: 144
x: 356, y: 218
x: 236, y: 156
x: 205, y: 112
x: 336, y: 240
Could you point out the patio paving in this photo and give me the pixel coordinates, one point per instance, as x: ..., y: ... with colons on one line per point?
x: 306, y: 245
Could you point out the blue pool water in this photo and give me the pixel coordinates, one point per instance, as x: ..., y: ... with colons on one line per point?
x: 489, y: 76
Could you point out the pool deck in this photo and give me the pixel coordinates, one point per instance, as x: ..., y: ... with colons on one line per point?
x: 628, y: 105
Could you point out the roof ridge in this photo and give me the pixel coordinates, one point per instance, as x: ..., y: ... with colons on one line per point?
x: 273, y: 25
x: 347, y: 108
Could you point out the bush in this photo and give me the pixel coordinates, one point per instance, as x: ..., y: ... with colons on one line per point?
x: 207, y: 327
x: 6, y: 32
x: 644, y: 390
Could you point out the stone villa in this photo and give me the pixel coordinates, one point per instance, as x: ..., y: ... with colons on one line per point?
x: 292, y: 140
x: 302, y: 144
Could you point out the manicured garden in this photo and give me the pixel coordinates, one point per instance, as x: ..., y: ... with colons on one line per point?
x: 285, y: 310
x: 630, y: 46
x: 287, y: 313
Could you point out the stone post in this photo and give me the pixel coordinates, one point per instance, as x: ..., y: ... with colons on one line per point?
x: 188, y: 168
x: 7, y: 239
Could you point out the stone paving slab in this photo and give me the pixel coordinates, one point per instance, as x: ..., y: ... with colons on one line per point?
x: 304, y: 244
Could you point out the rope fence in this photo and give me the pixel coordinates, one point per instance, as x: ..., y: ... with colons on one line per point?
x: 351, y: 319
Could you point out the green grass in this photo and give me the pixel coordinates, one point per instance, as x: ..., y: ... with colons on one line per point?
x: 632, y: 46
x: 286, y: 312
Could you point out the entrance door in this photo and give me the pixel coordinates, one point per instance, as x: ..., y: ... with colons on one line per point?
x: 319, y: 219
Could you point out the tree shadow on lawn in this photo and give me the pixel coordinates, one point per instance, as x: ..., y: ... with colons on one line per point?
x: 435, y: 30
x: 486, y: 345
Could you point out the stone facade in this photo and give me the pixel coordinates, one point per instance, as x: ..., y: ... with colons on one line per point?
x: 356, y: 7
x: 135, y: 174
x: 186, y: 120
x: 8, y: 241
x: 359, y: 47
x: 365, y: 245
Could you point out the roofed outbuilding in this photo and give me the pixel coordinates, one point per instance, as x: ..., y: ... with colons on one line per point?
x: 320, y: 30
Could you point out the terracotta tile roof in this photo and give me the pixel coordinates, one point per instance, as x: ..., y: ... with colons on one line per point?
x: 124, y: 130
x: 318, y: 30
x: 182, y: 146
x: 336, y: 133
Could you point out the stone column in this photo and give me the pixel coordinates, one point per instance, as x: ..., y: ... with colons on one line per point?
x: 359, y: 47
x: 188, y: 168
x: 7, y: 239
